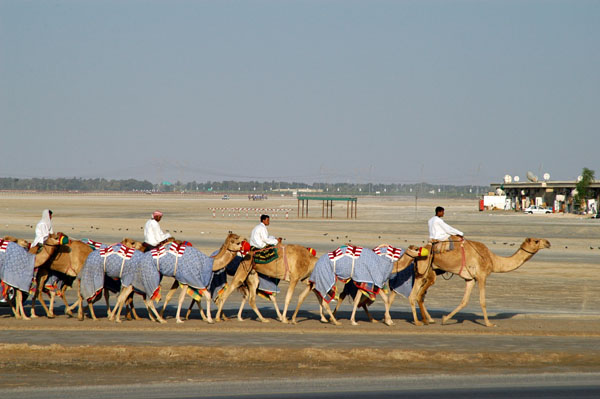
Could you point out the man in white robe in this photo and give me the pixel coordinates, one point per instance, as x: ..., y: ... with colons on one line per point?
x: 441, y: 231
x: 153, y: 235
x: 44, y: 228
x: 260, y: 238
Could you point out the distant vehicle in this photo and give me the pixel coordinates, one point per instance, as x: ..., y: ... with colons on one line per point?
x: 225, y: 197
x: 537, y: 209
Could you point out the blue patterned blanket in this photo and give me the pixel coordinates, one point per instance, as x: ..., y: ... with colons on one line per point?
x: 402, y: 282
x: 16, y: 266
x: 359, y: 264
x: 116, y: 262
x: 186, y: 264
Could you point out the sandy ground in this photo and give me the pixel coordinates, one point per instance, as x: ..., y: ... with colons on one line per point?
x: 547, y: 312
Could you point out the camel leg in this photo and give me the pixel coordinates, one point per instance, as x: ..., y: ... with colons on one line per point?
x: 252, y: 286
x: 235, y: 283
x: 116, y: 312
x: 39, y: 295
x: 339, y: 304
x: 208, y: 298
x: 413, y: 297
x: 301, y: 299
x: 463, y: 303
x: 388, y: 301
x: 331, y: 316
x: 426, y: 317
x: 92, y: 313
x: 357, y: 299
x: 288, y: 299
x: 152, y: 310
x: 20, y: 308
x: 51, y: 306
x: 169, y: 296
x: 481, y: 283
x: 239, y: 315
x: 273, y: 299
x: 180, y: 302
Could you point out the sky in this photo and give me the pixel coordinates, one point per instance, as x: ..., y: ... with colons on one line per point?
x: 444, y: 92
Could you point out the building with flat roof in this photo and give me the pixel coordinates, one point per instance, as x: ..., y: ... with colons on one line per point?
x: 555, y: 194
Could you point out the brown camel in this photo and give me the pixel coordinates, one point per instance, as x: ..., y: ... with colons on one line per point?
x: 407, y: 258
x: 41, y: 256
x: 295, y: 263
x: 67, y: 259
x: 403, y: 262
x: 230, y: 247
x: 479, y: 262
x: 127, y: 242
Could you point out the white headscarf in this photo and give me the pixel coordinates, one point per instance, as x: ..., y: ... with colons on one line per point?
x: 43, y: 229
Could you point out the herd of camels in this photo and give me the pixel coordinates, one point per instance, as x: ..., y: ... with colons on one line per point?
x: 471, y: 260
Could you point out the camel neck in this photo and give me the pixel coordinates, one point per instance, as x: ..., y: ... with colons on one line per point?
x: 502, y: 264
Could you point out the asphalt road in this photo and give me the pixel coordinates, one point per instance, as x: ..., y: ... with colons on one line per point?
x: 494, y: 386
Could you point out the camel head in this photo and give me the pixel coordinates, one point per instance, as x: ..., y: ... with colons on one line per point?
x: 417, y: 252
x: 131, y: 243
x: 533, y: 245
x: 234, y: 242
x: 20, y: 241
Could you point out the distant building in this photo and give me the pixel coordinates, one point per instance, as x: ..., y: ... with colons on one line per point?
x: 557, y: 195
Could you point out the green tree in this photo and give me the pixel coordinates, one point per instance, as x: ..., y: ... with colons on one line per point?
x: 582, y: 186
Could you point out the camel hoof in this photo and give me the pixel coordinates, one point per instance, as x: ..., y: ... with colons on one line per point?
x: 491, y: 325
x: 354, y: 323
x: 118, y: 320
x: 179, y: 321
x: 162, y: 321
x: 388, y: 322
x: 374, y: 321
x: 431, y: 321
x: 324, y: 321
x: 336, y: 323
x: 264, y: 321
x: 293, y: 321
x: 444, y: 320
x: 211, y: 321
x: 284, y: 321
x: 34, y: 316
x: 240, y: 319
x: 51, y: 316
x: 418, y: 323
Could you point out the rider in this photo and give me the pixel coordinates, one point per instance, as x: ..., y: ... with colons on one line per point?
x: 43, y: 228
x: 260, y: 238
x: 441, y: 231
x: 153, y: 235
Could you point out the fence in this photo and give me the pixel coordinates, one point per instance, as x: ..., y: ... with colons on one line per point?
x: 247, y: 212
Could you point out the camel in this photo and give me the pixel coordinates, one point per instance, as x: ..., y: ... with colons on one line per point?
x: 393, y: 266
x: 295, y: 263
x: 232, y: 245
x: 68, y: 259
x: 474, y: 262
x: 13, y: 274
x: 407, y: 258
x: 119, y: 261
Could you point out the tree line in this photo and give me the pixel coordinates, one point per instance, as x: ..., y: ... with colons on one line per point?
x: 232, y: 187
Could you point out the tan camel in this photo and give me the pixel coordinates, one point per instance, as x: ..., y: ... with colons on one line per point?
x: 41, y: 256
x: 295, y: 263
x: 79, y: 303
x: 229, y: 249
x: 479, y: 262
x: 403, y: 262
x: 67, y: 259
x: 407, y: 258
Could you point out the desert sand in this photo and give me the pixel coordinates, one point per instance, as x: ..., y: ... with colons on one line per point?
x: 547, y: 312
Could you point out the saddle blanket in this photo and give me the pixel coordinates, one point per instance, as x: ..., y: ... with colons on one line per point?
x: 362, y: 265
x: 403, y: 281
x: 122, y: 264
x: 266, y: 255
x: 16, y: 266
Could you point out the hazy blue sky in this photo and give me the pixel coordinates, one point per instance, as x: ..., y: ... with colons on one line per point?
x: 449, y: 92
